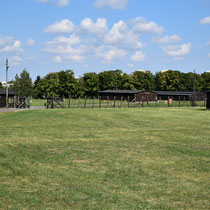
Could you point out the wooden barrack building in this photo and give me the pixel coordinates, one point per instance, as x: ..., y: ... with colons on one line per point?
x: 131, y: 95
x: 11, y: 96
x: 181, y: 95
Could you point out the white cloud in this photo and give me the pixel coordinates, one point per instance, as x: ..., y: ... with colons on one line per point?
x: 138, y: 56
x: 71, y: 40
x: 30, y: 42
x: 64, y: 26
x: 11, y: 46
x: 178, y: 50
x: 57, y: 59
x: 59, y: 3
x: 99, y: 28
x: 76, y: 58
x: 113, y: 4
x: 131, y: 65
x: 167, y: 39
x: 110, y: 54
x: 205, y: 20
x: 97, y: 39
x: 15, y: 61
x: 67, y: 48
x: 208, y: 43
x: 5, y: 40
x: 63, y: 3
x: 209, y: 55
x: 119, y: 35
x: 141, y: 25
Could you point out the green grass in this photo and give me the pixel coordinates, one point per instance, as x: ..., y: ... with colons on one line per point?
x: 38, y: 102
x: 105, y: 159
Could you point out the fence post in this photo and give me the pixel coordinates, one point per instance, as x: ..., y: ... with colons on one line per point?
x: 128, y: 101
x: 85, y: 104
x: 99, y: 101
x: 46, y: 102
x: 114, y: 101
x: 93, y: 101
x: 63, y: 101
x: 107, y: 101
x: 121, y: 102
x: 79, y: 102
x: 208, y: 100
x: 179, y: 101
x: 168, y: 101
x: 69, y: 105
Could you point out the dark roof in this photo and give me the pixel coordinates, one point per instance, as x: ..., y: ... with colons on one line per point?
x: 123, y: 91
x: 3, y: 92
x: 175, y: 93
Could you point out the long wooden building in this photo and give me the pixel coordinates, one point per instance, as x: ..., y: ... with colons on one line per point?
x: 11, y: 96
x: 142, y: 95
x: 181, y: 95
x: 138, y: 95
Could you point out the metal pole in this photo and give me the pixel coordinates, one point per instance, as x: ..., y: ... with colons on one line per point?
x: 7, y: 91
x: 194, y: 83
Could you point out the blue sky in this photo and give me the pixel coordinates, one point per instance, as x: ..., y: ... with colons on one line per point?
x: 95, y: 35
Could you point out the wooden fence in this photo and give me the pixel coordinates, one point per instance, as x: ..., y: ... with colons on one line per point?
x: 124, y: 102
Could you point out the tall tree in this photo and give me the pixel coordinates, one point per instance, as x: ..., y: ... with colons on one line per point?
x: 79, y: 88
x: 91, y: 84
x: 127, y: 82
x: 58, y: 84
x: 23, y: 85
x: 50, y: 85
x: 110, y: 80
x: 1, y: 86
x: 67, y: 83
x: 189, y: 79
x: 37, y: 91
x: 206, y: 81
x: 169, y: 81
x: 143, y: 80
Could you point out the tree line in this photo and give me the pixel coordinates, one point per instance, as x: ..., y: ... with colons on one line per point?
x: 65, y: 84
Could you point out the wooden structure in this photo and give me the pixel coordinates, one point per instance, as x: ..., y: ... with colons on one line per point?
x: 181, y: 95
x: 23, y: 102
x: 208, y: 100
x: 11, y: 99
x: 131, y: 95
x: 54, y: 103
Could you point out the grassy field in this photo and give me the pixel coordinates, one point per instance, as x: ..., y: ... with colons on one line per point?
x: 105, y: 159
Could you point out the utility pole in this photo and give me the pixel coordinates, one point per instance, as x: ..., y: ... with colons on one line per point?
x: 194, y: 88
x: 7, y: 91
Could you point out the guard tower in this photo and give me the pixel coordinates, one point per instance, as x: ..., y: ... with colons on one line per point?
x: 208, y: 100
